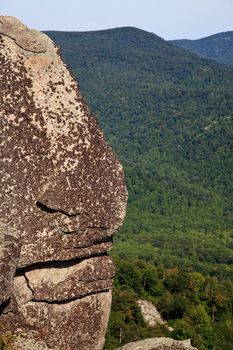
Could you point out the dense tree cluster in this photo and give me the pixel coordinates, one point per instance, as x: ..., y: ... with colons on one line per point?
x: 196, y: 306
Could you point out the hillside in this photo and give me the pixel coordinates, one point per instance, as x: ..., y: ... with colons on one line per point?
x: 218, y: 47
x: 168, y: 115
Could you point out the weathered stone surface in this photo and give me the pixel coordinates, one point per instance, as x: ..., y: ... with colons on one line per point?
x: 77, y: 318
x: 159, y: 344
x: 67, y: 282
x: 151, y: 315
x: 62, y: 192
x: 21, y: 343
x: 59, y: 178
x: 28, y: 40
x: 9, y: 255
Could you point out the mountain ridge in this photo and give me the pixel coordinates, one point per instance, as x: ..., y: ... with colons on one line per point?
x: 217, y: 47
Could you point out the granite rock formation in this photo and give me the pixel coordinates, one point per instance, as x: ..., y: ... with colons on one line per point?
x: 151, y: 315
x: 159, y: 344
x: 62, y: 197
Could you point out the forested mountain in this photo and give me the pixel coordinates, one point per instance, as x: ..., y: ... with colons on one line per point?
x: 218, y: 47
x: 168, y: 115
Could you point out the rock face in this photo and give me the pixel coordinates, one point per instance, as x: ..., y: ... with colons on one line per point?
x: 62, y: 197
x: 159, y: 344
x: 151, y: 315
x: 9, y: 255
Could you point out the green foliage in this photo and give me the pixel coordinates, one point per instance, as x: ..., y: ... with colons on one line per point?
x: 223, y: 335
x: 125, y: 320
x: 134, y: 279
x: 173, y: 306
x: 218, y: 47
x: 197, y: 307
x: 6, y: 341
x: 168, y: 115
x: 209, y: 254
x: 138, y: 276
x: 202, y: 328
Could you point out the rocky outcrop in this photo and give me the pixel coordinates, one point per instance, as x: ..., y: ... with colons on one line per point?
x: 159, y: 344
x: 62, y: 197
x: 151, y: 315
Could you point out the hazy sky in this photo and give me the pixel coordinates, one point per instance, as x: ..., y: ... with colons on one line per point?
x: 170, y: 19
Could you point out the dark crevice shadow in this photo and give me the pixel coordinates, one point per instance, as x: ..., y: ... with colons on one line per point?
x: 49, y: 210
x: 56, y: 264
x: 63, y: 302
x: 43, y: 207
x: 4, y: 306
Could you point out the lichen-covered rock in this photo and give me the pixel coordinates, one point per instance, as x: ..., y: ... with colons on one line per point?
x: 67, y: 281
x: 76, y: 324
x: 62, y: 194
x: 9, y: 254
x: 159, y: 344
x: 26, y: 343
x: 151, y: 315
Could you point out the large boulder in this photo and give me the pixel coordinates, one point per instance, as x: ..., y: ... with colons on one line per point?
x: 159, y: 344
x: 62, y: 197
x: 151, y: 315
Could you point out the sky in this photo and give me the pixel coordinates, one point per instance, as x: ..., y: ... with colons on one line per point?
x: 170, y: 19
